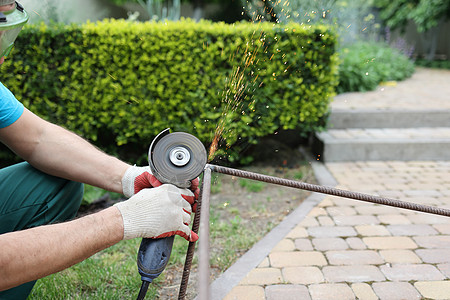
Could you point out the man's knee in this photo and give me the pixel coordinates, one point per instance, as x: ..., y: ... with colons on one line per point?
x: 31, y: 198
x: 63, y: 203
x: 71, y: 196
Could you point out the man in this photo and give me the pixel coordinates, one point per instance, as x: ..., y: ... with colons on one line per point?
x: 37, y: 196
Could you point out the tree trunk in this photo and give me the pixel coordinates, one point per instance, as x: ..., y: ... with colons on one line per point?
x: 431, y: 40
x: 433, y: 44
x: 198, y: 10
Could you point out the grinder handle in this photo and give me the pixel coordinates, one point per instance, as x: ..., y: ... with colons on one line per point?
x: 153, y: 256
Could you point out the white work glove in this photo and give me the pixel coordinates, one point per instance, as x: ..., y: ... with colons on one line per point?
x: 158, y: 212
x: 136, y: 179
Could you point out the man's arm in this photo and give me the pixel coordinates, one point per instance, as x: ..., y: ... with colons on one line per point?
x: 62, y: 153
x: 34, y: 253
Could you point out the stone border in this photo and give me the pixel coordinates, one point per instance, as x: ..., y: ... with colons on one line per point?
x: 252, y: 258
x: 388, y: 118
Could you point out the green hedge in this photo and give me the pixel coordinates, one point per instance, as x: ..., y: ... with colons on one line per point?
x: 120, y: 83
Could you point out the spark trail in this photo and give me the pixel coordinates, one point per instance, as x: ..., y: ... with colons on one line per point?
x: 237, y: 84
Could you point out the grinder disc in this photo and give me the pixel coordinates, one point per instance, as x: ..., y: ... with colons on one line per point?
x: 177, y: 158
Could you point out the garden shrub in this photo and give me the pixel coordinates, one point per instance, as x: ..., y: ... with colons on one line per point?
x: 365, y: 64
x: 120, y: 83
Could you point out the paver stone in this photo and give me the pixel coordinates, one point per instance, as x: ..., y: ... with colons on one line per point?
x: 434, y: 289
x: 287, y: 292
x: 331, y: 291
x: 395, y: 291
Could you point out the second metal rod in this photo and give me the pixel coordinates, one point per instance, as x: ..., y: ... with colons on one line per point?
x: 191, y: 249
x: 203, y: 249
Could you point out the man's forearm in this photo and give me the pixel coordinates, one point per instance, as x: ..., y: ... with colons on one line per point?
x: 34, y: 253
x: 62, y: 153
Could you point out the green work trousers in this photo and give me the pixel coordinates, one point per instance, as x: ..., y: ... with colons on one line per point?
x: 30, y: 198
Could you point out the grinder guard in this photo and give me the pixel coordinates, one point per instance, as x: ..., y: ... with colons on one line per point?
x: 150, y: 152
x: 176, y: 158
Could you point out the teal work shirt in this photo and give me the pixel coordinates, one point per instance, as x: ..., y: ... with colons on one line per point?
x: 10, y: 108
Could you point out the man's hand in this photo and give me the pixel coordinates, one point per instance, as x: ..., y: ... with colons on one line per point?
x: 136, y: 179
x: 139, y: 178
x: 158, y: 212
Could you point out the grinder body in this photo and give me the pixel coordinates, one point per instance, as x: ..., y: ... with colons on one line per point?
x: 153, y: 256
x: 175, y: 158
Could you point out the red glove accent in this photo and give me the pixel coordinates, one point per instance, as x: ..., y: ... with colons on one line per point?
x: 189, y: 199
x: 194, y: 236
x: 194, y: 184
x: 196, y: 190
x: 145, y: 180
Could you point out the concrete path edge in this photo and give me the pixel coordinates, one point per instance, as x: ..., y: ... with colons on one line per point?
x: 252, y: 258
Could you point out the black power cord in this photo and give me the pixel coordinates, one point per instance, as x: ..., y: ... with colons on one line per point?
x: 143, y: 290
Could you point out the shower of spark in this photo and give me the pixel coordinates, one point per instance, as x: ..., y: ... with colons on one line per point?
x: 233, y: 95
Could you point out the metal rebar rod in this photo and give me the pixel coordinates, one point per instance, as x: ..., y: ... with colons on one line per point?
x: 191, y: 248
x: 203, y: 251
x: 331, y: 191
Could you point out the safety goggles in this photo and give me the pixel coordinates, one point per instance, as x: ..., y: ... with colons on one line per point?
x: 11, y: 23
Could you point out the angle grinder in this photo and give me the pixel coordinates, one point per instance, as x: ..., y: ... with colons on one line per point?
x: 176, y: 158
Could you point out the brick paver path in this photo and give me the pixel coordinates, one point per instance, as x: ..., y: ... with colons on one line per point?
x: 426, y: 89
x: 346, y: 249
